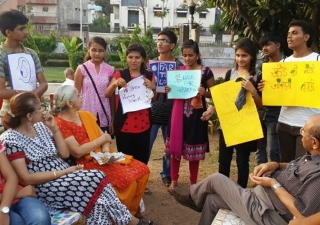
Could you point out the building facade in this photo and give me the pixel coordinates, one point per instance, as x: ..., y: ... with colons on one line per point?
x: 128, y: 13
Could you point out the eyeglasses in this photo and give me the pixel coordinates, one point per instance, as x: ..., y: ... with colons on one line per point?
x: 303, y: 133
x: 163, y: 41
x: 97, y: 50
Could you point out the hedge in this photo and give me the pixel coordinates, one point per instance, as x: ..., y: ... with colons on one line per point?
x: 76, y: 59
x: 45, y: 43
x: 115, y: 64
x: 63, y: 56
x: 43, y: 58
x: 112, y: 57
x: 58, y: 63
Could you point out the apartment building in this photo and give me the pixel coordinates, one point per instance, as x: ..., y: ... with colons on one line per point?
x: 128, y: 13
x: 63, y: 16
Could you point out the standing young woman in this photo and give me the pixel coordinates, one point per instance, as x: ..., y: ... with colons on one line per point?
x: 187, y: 134
x: 246, y: 57
x: 100, y: 75
x: 132, y: 129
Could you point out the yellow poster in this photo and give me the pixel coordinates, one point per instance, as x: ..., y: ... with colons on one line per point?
x: 291, y: 84
x: 237, y: 126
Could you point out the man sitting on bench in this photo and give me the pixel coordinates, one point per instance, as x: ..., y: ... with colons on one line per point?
x: 284, y: 190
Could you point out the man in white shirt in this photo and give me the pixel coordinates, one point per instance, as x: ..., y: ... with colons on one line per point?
x: 292, y: 119
x: 69, y: 74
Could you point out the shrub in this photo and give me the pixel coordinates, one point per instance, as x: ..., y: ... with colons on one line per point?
x: 61, y: 56
x: 58, y: 63
x: 112, y: 57
x: 43, y: 58
x: 45, y: 44
x: 76, y: 59
x: 116, y: 64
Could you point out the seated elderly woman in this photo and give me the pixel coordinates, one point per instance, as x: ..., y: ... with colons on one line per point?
x: 36, y: 148
x: 82, y: 135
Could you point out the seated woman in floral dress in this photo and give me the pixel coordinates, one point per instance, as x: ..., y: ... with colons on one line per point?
x: 36, y: 149
x: 82, y: 135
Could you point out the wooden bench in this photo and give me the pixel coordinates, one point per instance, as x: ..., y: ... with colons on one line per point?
x: 227, y: 217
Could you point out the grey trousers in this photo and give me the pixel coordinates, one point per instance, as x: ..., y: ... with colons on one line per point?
x: 219, y: 192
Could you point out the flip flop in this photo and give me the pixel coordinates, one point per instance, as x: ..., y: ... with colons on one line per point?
x: 147, y: 192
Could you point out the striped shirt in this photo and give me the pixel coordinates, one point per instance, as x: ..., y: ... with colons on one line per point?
x: 301, y: 179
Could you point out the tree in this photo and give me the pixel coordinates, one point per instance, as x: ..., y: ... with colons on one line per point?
x: 71, y: 46
x: 106, y: 7
x: 164, y: 12
x: 142, y: 8
x: 253, y: 18
x: 100, y: 24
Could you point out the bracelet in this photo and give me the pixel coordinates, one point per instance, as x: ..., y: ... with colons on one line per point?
x: 56, y: 131
x: 55, y: 175
x: 95, y: 144
x: 278, y: 165
x: 254, y: 94
x: 277, y: 185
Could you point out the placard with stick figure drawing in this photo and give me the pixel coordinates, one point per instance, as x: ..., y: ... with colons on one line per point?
x: 22, y: 71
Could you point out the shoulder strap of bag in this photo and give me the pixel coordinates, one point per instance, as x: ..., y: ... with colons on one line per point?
x: 95, y: 88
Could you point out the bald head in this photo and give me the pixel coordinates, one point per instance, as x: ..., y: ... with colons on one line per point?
x: 69, y: 73
x: 313, y: 126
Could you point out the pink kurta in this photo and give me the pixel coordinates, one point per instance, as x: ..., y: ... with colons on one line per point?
x: 89, y: 97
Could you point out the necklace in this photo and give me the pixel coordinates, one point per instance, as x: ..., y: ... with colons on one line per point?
x: 75, y: 120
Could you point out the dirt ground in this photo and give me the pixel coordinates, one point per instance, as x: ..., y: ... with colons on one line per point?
x: 160, y: 205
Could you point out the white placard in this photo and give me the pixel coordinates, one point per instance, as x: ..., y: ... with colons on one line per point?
x: 133, y: 96
x: 22, y: 71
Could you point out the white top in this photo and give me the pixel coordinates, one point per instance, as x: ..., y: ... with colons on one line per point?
x: 68, y: 82
x: 296, y: 115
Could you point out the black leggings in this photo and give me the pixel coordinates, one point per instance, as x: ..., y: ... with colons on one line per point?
x: 243, y: 153
x: 135, y: 144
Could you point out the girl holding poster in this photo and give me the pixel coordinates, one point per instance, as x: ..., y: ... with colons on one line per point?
x: 187, y: 133
x: 132, y: 129
x: 246, y: 56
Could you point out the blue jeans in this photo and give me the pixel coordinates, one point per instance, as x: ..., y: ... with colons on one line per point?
x: 166, y: 157
x: 269, y: 143
x: 29, y: 211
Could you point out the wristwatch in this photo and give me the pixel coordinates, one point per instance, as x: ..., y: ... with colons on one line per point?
x: 277, y: 185
x: 5, y: 210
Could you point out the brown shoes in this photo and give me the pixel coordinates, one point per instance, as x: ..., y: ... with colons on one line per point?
x: 185, y: 199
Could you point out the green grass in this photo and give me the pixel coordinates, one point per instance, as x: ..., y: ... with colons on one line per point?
x: 54, y: 74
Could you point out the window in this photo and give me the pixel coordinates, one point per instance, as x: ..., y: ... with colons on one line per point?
x: 84, y: 12
x: 116, y: 25
x: 202, y: 15
x: 180, y: 14
x: 21, y: 8
x: 45, y: 9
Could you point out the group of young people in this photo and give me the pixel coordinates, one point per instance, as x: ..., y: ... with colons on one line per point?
x: 287, y: 188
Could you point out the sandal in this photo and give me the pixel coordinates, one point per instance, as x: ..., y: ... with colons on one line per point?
x: 166, y: 181
x: 170, y: 190
x: 147, y: 191
x: 144, y: 222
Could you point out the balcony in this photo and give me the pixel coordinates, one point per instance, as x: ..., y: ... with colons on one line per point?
x: 115, y: 2
x: 44, y: 20
x: 43, y: 2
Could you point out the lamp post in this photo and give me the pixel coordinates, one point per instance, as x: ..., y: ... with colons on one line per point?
x: 80, y: 15
x: 193, y: 30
